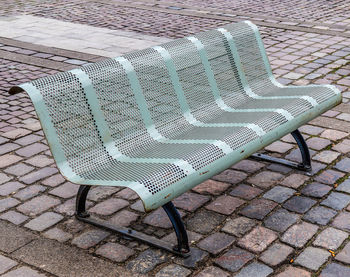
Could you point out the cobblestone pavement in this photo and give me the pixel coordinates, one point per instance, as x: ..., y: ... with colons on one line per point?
x: 254, y: 219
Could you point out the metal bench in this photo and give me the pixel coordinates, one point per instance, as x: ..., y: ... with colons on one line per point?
x: 162, y: 120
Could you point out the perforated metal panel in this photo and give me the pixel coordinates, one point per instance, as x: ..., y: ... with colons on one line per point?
x: 163, y: 119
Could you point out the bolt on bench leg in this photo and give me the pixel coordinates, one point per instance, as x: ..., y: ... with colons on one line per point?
x: 305, y: 165
x: 182, y: 248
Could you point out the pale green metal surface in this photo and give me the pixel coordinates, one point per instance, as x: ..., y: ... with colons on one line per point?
x: 164, y: 119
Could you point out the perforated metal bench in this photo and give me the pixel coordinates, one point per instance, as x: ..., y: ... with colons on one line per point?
x: 162, y: 120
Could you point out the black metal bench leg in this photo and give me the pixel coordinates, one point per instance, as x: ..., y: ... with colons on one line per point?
x: 181, y: 249
x: 180, y: 231
x: 305, y: 165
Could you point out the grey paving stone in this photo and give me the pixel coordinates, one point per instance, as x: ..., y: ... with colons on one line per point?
x: 90, y: 238
x: 173, y: 270
x: 335, y: 270
x: 101, y: 192
x: 320, y: 215
x: 279, y: 194
x: 343, y: 165
x: 291, y: 271
x: 336, y: 200
x: 246, y: 192
x: 258, y: 239
x: 109, y: 206
x: 225, y: 204
x: 299, y: 234
x: 216, y: 243
x: 344, y: 254
x: 234, y: 259
x: 58, y: 234
x: 115, y: 252
x: 316, y: 190
x: 29, y: 192
x: 38, y: 175
x: 9, y: 188
x: 344, y: 187
x: 190, y: 201
x: 299, y: 204
x: 6, y: 264
x: 19, y: 169
x: 66, y: 261
x: 330, y: 238
x: 146, y: 261
x: 276, y: 254
x: 230, y: 176
x: 23, y: 271
x: 204, y: 221
x: 38, y: 205
x: 14, y: 217
x: 15, y: 238
x: 44, y: 221
x: 66, y: 190
x: 342, y: 221
x: 255, y: 269
x: 312, y: 258
x: 4, y: 178
x: 8, y: 203
x: 258, y: 208
x: 196, y: 258
x: 238, y: 226
x: 212, y: 271
x: 281, y: 220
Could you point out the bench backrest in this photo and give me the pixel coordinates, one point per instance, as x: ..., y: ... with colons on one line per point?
x: 132, y: 99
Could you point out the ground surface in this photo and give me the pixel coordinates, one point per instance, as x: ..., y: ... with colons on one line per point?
x: 255, y: 219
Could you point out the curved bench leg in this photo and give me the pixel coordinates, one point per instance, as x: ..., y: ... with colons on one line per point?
x: 305, y: 165
x: 181, y: 249
x: 180, y: 231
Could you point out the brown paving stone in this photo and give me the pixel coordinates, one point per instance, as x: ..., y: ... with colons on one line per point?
x: 326, y: 156
x: 329, y: 177
x: 318, y: 143
x: 334, y: 134
x: 66, y: 261
x: 311, y: 130
x: 190, y: 201
x: 342, y: 147
x: 230, y: 176
x: 248, y: 166
x: 115, y: 252
x: 124, y: 218
x: 258, y: 208
x: 109, y: 206
x: 159, y: 218
x: 211, y: 187
x: 342, y: 221
x: 8, y: 159
x: 192, y: 237
x: 265, y: 179
x: 258, y: 239
x: 225, y: 204
x: 276, y: 254
x: 279, y: 147
x: 246, y: 192
x: 216, y: 243
x: 292, y: 271
x: 38, y: 205
x: 234, y: 259
x: 299, y: 234
x: 330, y: 238
x: 15, y: 238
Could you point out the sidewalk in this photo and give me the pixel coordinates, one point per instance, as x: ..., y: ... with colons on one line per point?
x: 255, y: 219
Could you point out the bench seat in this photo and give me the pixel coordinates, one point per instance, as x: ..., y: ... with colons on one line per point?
x: 162, y: 120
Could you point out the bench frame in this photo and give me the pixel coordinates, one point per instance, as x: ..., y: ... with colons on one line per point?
x: 182, y: 248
